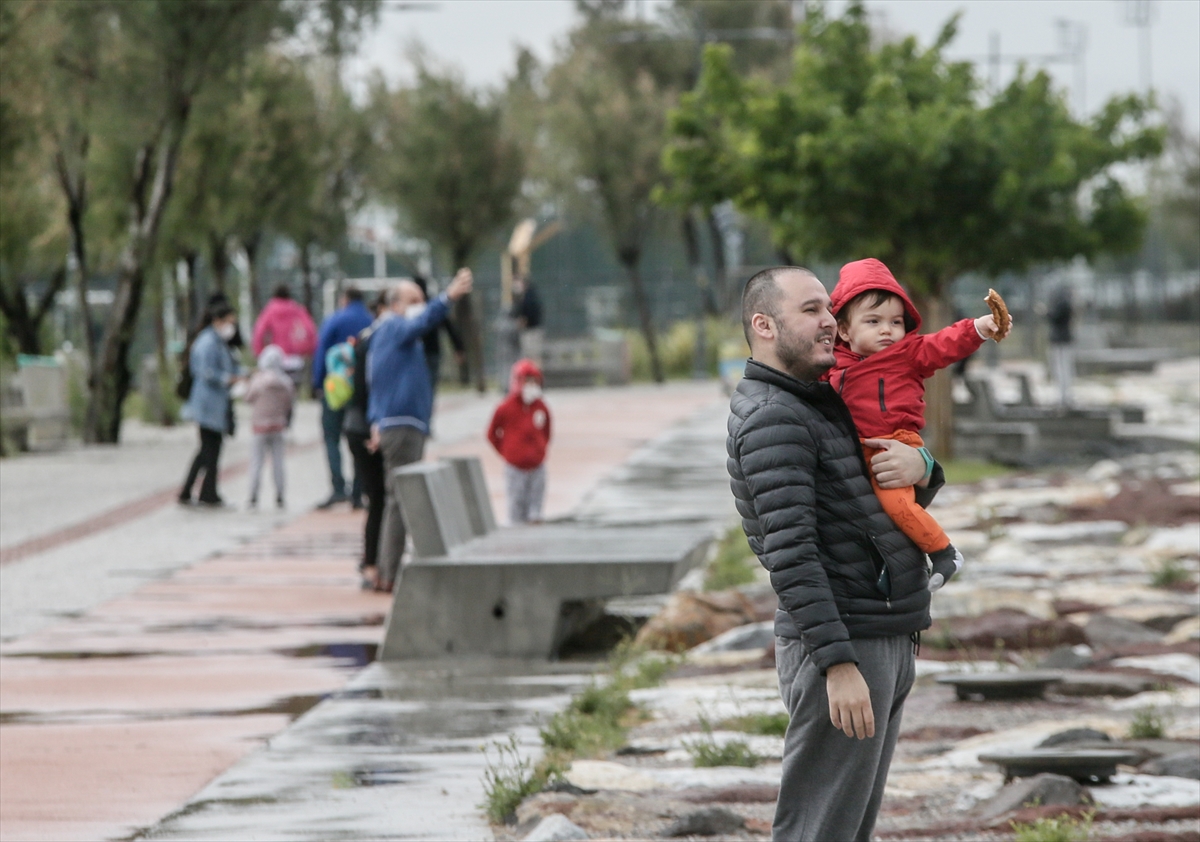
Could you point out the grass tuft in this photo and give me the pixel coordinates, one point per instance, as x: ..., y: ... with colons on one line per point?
x: 705, y: 752
x: 764, y: 724
x: 1148, y: 724
x: 733, y: 564
x: 1170, y: 574
x: 1061, y: 829
x: 507, y: 780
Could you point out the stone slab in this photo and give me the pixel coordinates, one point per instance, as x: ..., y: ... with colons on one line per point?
x: 1081, y: 764
x: 1013, y: 685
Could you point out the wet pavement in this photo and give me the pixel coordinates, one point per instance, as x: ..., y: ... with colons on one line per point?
x: 143, y: 659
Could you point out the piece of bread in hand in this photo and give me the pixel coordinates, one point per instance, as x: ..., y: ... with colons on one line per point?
x: 999, y: 312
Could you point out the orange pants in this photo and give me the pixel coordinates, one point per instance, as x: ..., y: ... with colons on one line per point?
x: 901, y: 503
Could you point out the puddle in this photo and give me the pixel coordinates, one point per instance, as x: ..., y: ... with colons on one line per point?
x: 388, y: 776
x: 227, y: 624
x: 293, y: 706
x: 349, y: 655
x: 82, y: 656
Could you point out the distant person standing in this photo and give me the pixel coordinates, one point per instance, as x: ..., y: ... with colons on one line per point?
x: 348, y: 321
x: 433, y: 340
x: 520, y: 432
x: 1062, y: 357
x: 286, y: 323
x: 368, y: 464
x: 526, y: 313
x: 400, y: 401
x: 270, y: 394
x: 214, y: 370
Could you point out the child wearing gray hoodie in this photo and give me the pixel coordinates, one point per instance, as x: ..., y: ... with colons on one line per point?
x: 271, y: 395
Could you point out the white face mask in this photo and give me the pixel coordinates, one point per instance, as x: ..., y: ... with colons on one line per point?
x: 414, y: 310
x: 530, y: 392
x: 226, y: 331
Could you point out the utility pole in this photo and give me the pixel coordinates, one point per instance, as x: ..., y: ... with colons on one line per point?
x: 1072, y: 41
x: 1140, y: 13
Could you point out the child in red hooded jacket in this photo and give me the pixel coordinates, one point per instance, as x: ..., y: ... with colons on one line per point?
x: 882, y: 363
x: 520, y: 432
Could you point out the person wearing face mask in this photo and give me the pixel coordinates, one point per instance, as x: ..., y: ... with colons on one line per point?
x: 213, y: 370
x: 520, y: 432
x: 400, y: 397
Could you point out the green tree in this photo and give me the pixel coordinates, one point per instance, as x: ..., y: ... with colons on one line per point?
x: 607, y: 99
x: 446, y: 160
x: 885, y: 150
x: 33, y: 237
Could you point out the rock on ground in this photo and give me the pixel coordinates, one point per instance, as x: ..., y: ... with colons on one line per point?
x: 707, y: 822
x: 1039, y: 790
x: 556, y: 828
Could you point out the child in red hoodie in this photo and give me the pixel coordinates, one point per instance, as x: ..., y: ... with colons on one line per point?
x: 882, y: 364
x: 520, y: 431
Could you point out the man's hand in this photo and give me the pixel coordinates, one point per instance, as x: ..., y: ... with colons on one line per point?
x: 898, y: 466
x: 849, y: 701
x: 461, y: 285
x: 373, y: 441
x: 986, y: 327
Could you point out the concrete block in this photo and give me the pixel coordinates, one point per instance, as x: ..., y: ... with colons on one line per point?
x: 478, y: 503
x: 519, y: 592
x: 434, y: 510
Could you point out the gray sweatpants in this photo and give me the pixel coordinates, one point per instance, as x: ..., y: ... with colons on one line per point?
x: 400, y: 446
x: 260, y: 445
x: 526, y: 490
x: 832, y: 784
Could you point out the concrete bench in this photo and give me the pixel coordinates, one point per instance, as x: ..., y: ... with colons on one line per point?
x: 34, y: 410
x: 585, y: 362
x: 474, y: 590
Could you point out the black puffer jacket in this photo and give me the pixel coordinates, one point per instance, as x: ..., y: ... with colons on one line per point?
x: 814, y: 522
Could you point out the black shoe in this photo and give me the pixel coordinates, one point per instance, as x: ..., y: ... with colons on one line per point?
x: 211, y: 502
x: 333, y: 500
x: 185, y: 499
x: 357, y: 505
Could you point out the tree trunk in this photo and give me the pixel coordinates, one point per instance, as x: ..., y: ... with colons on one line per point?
x: 218, y: 261
x: 26, y: 323
x: 165, y: 381
x: 936, y: 313
x: 250, y: 246
x: 691, y: 242
x: 147, y: 205
x: 74, y: 186
x: 724, y: 300
x: 306, y: 273
x: 630, y: 260
x: 469, y: 325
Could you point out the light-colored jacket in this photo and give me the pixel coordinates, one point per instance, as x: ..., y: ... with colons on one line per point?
x: 271, y: 393
x: 213, y: 370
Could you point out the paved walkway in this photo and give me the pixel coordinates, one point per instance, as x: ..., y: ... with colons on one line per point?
x: 147, y: 648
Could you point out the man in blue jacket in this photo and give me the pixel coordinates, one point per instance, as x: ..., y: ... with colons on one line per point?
x: 400, y: 401
x: 344, y: 323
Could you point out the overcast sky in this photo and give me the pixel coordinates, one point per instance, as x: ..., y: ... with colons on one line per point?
x: 480, y: 37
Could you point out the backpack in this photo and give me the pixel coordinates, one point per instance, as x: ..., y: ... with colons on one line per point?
x: 339, y: 377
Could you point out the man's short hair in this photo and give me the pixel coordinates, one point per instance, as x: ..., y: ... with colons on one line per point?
x: 281, y: 291
x: 762, y: 295
x: 353, y: 294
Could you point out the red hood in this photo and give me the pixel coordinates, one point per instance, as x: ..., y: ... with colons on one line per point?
x: 520, y: 370
x: 864, y: 275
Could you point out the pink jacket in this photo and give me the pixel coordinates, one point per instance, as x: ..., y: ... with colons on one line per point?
x: 285, y: 323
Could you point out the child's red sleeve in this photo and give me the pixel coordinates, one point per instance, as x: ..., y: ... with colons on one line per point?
x: 547, y: 410
x: 934, y: 351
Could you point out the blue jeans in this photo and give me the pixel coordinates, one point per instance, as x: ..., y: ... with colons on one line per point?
x: 331, y: 426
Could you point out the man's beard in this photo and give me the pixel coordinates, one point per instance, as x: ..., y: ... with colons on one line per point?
x: 797, y: 356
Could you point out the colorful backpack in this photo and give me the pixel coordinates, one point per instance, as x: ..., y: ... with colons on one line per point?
x: 339, y: 375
